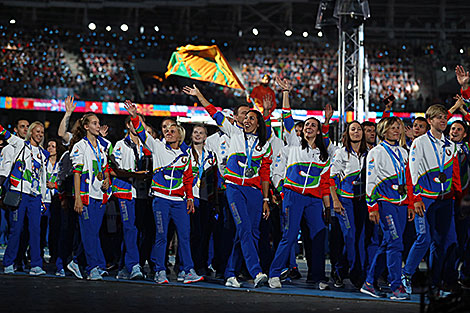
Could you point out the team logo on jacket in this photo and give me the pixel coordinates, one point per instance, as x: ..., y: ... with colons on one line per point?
x: 448, y: 152
x: 117, y: 152
x: 75, y: 153
x: 258, y: 148
x: 184, y: 159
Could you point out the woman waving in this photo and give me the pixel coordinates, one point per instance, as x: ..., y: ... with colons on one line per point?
x: 247, y: 175
x: 172, y: 184
x: 306, y: 184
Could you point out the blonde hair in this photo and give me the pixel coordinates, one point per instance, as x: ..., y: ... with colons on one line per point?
x: 402, y: 140
x: 182, y: 133
x: 30, y: 131
x: 385, y: 124
x: 435, y: 110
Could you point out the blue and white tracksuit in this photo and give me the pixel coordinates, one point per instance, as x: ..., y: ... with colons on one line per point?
x: 244, y: 193
x: 437, y: 198
x: 384, y: 175
x: 85, y: 162
x: 306, y: 182
x: 204, y: 189
x: 126, y: 153
x: 171, y: 187
x: 28, y: 177
x: 346, y: 175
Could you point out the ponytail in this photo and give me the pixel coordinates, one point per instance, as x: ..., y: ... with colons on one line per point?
x: 80, y: 132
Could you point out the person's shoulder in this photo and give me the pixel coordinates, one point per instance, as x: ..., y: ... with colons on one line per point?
x: 376, y: 150
x: 420, y: 140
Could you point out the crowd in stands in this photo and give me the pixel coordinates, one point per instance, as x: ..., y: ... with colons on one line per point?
x: 34, y: 64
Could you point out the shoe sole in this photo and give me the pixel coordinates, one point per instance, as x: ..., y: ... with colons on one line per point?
x: 70, y: 268
x: 36, y: 274
x: 274, y: 286
x: 232, y: 286
x: 261, y: 282
x: 163, y: 282
x: 399, y: 298
x: 193, y: 281
x: 338, y: 285
x: 367, y: 292
x: 138, y: 276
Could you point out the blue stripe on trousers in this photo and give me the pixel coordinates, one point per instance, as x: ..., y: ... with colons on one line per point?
x: 163, y: 211
x: 127, y: 208
x: 246, y: 205
x: 294, y: 206
x: 90, y: 223
x: 31, y: 206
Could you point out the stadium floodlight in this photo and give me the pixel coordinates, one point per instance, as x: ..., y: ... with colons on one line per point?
x: 240, y: 33
x: 124, y: 27
x: 461, y: 51
x: 288, y: 33
x: 325, y: 16
x: 156, y: 28
x: 444, y: 69
x: 92, y: 26
x: 320, y: 34
x: 108, y: 28
x: 255, y: 31
x: 141, y: 29
x: 12, y: 21
x: 351, y: 13
x: 305, y: 34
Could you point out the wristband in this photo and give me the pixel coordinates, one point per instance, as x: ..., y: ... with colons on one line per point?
x: 266, y: 199
x: 285, y: 90
x: 190, y: 199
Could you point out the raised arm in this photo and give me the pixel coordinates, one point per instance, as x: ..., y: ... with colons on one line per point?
x: 268, y: 102
x: 462, y: 77
x: 70, y: 106
x: 388, y: 105
x: 292, y: 139
x: 149, y: 142
x: 459, y: 103
x: 16, y: 142
x: 223, y: 124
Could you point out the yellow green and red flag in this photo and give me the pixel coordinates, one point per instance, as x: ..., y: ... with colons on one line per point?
x: 205, y: 63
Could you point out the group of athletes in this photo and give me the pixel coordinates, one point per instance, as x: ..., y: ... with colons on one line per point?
x: 386, y: 195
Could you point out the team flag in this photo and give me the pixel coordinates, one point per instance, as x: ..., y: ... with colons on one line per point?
x: 205, y: 63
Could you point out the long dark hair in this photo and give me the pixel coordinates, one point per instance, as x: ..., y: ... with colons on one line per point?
x: 261, y: 128
x: 319, y: 143
x: 59, y: 147
x: 347, y: 139
x: 80, y: 130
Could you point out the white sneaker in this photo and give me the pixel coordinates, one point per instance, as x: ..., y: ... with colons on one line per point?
x: 274, y: 282
x: 260, y: 279
x: 323, y: 286
x: 192, y: 277
x: 95, y: 274
x: 36, y: 271
x: 160, y: 277
x: 136, y: 272
x: 60, y: 273
x: 181, y: 276
x: 9, y: 269
x: 232, y: 282
x: 73, y: 267
x: 123, y: 274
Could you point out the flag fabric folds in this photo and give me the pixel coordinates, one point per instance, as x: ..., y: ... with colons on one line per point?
x: 205, y: 63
